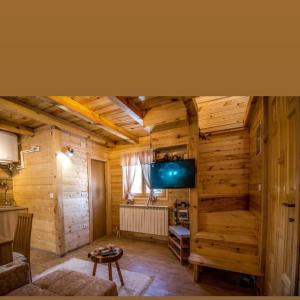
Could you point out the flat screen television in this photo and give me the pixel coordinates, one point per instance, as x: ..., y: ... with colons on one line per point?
x: 173, y: 174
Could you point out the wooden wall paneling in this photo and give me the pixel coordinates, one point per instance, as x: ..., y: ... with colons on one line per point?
x: 35, y: 188
x: 108, y: 199
x: 158, y: 139
x: 262, y: 243
x: 193, y: 193
x: 227, y: 231
x: 256, y: 159
x: 272, y: 156
x: 166, y: 113
x: 223, y: 163
x: 59, y: 216
x: 75, y: 192
x: 213, y: 203
x: 221, y: 112
x: 170, y: 137
x: 257, y: 122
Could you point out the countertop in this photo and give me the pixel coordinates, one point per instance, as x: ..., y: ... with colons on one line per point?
x: 11, y: 208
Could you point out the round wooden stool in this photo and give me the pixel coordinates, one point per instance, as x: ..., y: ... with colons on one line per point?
x: 109, y: 259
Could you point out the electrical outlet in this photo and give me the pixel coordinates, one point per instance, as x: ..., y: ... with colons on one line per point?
x: 259, y: 187
x: 51, y: 195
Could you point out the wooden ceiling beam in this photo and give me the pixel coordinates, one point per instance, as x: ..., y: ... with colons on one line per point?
x: 48, y: 119
x: 15, y: 128
x: 129, y: 107
x: 85, y: 113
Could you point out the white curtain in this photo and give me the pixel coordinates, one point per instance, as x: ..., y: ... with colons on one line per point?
x: 146, y: 158
x: 127, y: 161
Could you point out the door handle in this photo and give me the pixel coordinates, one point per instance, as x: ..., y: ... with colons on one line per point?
x: 291, y: 220
x: 286, y: 204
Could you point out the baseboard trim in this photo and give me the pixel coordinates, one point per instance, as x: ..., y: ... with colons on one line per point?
x: 144, y: 236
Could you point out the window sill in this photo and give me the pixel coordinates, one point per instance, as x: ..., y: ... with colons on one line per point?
x: 144, y: 198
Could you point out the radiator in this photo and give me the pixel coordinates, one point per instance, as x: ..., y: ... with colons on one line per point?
x: 144, y: 219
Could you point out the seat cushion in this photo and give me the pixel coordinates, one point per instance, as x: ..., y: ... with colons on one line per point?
x: 30, y: 290
x: 72, y: 283
x: 18, y: 256
x: 13, y: 276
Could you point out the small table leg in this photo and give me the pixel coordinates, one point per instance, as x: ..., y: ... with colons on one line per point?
x: 94, y: 269
x: 110, y: 271
x: 119, y: 272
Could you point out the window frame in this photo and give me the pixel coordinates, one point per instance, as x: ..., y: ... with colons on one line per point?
x: 144, y: 194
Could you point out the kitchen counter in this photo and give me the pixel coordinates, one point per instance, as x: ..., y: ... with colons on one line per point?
x: 8, y: 220
x: 11, y: 208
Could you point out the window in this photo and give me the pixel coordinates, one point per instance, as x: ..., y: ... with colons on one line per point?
x: 139, y: 187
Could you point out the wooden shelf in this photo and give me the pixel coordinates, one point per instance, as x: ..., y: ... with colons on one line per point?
x: 173, y: 249
x: 179, y: 242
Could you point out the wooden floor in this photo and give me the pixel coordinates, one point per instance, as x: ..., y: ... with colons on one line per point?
x: 153, y: 258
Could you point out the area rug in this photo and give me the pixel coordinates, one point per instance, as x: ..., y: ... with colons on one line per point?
x: 135, y: 284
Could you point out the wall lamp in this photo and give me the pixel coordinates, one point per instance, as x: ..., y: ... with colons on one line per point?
x: 69, y: 151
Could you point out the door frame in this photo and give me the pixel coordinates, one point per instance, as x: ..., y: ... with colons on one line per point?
x: 107, y: 194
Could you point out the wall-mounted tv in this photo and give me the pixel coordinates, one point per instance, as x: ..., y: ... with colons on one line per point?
x: 172, y: 174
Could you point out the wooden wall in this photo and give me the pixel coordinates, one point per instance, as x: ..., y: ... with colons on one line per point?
x: 165, y: 138
x: 74, y: 188
x: 257, y: 178
x: 55, y: 189
x: 224, y: 231
x: 256, y: 159
x: 6, y: 177
x: 223, y: 163
x: 35, y: 188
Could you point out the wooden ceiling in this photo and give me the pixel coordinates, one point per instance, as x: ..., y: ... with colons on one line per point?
x: 116, y: 119
x: 217, y: 113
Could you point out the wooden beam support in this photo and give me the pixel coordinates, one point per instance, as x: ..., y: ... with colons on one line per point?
x: 15, y: 128
x: 249, y: 109
x: 87, y: 114
x: 45, y: 118
x: 129, y: 108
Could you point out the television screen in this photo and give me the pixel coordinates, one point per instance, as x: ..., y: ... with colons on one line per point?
x: 173, y: 174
